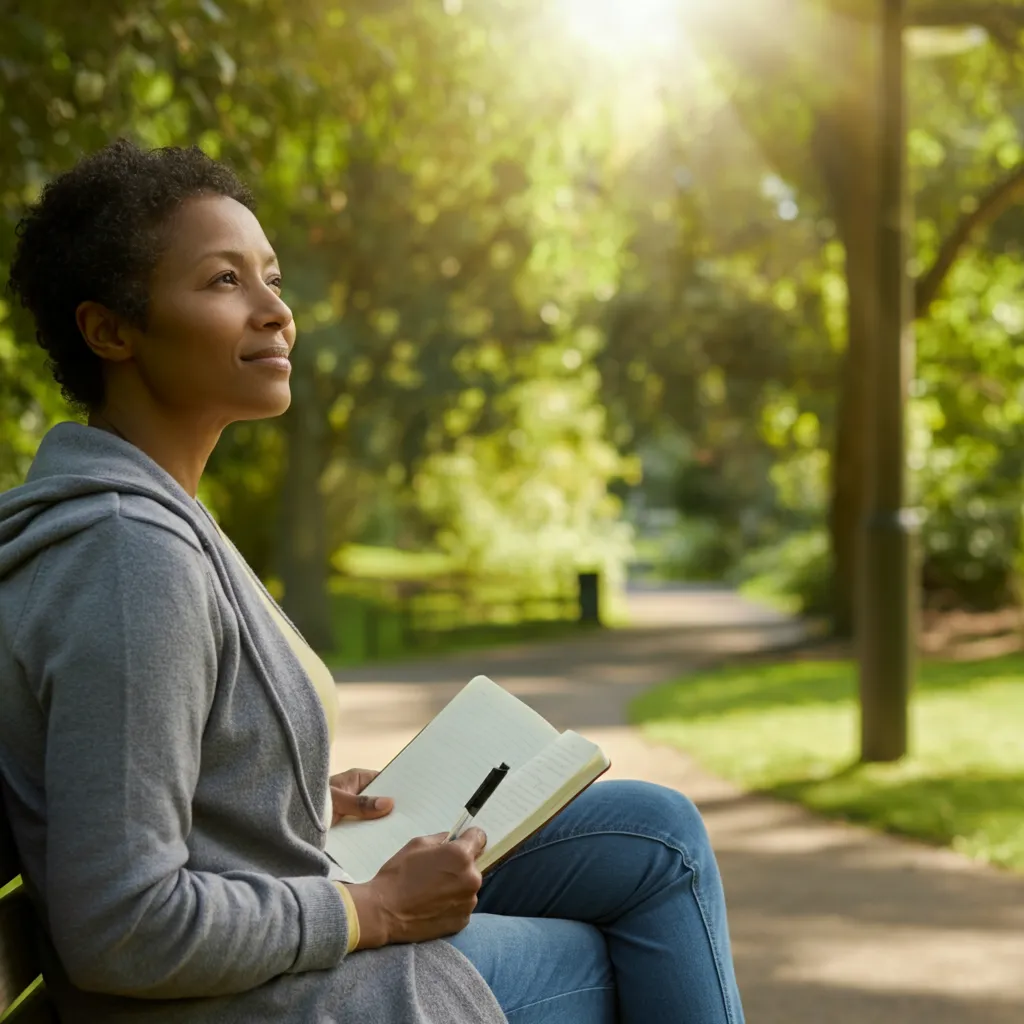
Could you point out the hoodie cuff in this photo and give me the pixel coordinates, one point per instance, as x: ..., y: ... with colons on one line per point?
x: 324, y: 924
x: 354, y: 933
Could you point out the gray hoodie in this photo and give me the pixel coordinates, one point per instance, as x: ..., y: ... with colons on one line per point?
x: 164, y: 761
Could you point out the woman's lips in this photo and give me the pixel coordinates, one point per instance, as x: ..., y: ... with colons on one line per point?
x: 280, y: 364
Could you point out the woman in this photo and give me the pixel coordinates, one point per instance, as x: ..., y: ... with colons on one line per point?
x: 166, y: 732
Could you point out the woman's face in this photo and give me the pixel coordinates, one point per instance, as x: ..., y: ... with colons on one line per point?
x: 218, y: 336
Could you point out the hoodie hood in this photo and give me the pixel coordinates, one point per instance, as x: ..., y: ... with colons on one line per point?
x: 77, y: 473
x: 79, y: 476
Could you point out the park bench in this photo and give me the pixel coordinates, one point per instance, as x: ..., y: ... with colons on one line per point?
x: 19, y: 966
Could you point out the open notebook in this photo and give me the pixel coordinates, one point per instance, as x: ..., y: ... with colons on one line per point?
x: 434, y: 776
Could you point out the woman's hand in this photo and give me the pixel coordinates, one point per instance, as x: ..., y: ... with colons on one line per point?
x: 426, y: 891
x: 346, y: 801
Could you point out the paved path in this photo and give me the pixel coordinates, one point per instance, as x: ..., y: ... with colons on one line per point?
x: 831, y: 924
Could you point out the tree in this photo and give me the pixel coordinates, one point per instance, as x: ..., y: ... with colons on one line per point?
x: 402, y: 176
x: 835, y: 60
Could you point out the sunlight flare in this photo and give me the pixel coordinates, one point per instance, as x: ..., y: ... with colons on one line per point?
x: 623, y: 27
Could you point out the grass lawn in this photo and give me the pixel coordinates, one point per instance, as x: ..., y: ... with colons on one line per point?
x: 384, y: 563
x: 791, y: 729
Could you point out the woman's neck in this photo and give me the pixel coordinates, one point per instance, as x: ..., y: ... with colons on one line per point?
x: 182, y: 449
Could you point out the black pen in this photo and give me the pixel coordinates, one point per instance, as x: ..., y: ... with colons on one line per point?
x: 477, y: 800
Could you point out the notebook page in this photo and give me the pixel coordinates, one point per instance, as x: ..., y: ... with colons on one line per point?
x: 528, y: 789
x: 432, y: 778
x: 361, y: 849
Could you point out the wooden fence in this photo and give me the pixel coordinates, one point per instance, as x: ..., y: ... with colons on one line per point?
x: 396, y: 615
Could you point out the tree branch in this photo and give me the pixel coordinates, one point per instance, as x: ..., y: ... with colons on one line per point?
x: 1002, y: 22
x: 954, y: 13
x: 992, y: 205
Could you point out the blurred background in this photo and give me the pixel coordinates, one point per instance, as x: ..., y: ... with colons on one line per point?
x: 581, y: 286
x: 593, y: 314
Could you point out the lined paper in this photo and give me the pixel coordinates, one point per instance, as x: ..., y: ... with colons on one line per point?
x: 432, y: 778
x: 536, y: 782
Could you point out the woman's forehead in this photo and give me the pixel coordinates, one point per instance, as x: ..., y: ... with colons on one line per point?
x: 215, y: 226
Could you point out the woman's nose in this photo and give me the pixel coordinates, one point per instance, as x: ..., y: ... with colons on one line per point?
x: 275, y: 314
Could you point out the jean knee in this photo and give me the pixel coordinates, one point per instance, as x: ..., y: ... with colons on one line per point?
x: 667, y: 814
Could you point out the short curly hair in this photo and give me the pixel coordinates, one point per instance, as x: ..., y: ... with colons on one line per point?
x: 96, y: 233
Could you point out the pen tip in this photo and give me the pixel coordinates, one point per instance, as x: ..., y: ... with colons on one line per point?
x: 503, y: 767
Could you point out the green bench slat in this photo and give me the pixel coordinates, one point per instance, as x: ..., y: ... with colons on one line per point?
x: 19, y: 968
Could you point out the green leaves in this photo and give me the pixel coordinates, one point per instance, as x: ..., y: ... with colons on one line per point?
x: 435, y: 244
x: 500, y: 266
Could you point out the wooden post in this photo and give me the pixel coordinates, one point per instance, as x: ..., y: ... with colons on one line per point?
x: 887, y: 639
x: 590, y: 598
x: 371, y: 629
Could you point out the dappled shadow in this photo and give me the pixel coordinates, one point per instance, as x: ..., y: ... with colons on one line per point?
x: 584, y: 682
x: 671, y: 645
x: 871, y: 879
x: 936, y: 808
x: 769, y: 1000
x: 635, y: 660
x: 835, y: 924
x: 831, y: 924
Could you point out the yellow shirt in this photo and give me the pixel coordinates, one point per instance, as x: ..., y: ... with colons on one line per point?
x: 323, y: 682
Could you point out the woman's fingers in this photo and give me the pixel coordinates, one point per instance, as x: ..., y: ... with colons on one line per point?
x: 475, y: 840
x: 354, y: 780
x: 352, y: 805
x: 429, y: 888
x: 363, y: 777
x: 346, y: 801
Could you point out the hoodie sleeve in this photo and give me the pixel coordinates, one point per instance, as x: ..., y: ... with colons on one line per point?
x: 122, y: 634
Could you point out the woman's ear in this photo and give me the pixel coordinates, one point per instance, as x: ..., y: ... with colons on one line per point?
x: 105, y: 332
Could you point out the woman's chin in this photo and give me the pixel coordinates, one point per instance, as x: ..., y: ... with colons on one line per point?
x: 273, y: 402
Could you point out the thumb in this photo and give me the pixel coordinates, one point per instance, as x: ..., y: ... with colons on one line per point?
x: 475, y: 838
x: 366, y: 807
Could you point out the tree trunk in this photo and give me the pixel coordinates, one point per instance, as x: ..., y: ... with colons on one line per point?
x: 302, y: 548
x: 851, y: 458
x: 845, y: 147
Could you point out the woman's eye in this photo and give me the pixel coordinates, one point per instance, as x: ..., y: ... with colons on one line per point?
x: 275, y: 282
x: 228, y: 277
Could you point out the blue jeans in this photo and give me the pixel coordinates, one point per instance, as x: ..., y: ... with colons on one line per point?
x: 613, y: 912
